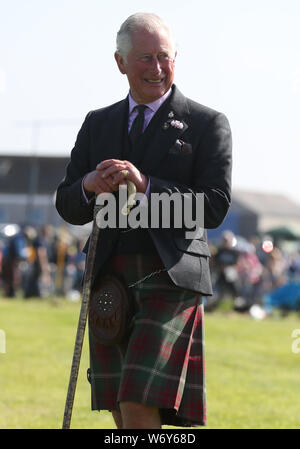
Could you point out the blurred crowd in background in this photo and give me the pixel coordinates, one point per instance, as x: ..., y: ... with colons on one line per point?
x: 256, y: 275
x: 40, y: 262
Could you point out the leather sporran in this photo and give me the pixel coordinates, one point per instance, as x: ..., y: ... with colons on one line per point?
x: 110, y: 310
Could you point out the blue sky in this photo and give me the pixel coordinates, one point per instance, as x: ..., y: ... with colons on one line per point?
x: 236, y: 56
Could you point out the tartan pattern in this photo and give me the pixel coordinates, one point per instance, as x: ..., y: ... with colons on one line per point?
x: 162, y: 361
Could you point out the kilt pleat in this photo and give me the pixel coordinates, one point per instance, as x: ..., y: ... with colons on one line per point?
x: 162, y: 361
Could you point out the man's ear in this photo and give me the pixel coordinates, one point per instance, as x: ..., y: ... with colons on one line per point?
x: 120, y: 62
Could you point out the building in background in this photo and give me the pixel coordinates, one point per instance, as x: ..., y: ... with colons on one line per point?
x: 257, y: 213
x: 27, y: 189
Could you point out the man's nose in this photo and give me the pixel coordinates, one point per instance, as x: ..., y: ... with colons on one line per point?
x: 155, y: 65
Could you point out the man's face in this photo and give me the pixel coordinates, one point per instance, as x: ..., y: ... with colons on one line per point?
x: 149, y: 66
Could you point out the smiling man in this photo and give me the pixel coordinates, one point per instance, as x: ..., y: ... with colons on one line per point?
x: 149, y: 65
x: 164, y: 143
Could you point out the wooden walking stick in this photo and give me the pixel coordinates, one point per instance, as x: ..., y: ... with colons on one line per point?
x: 85, y: 304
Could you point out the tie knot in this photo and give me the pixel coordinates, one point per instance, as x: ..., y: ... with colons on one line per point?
x: 140, y: 108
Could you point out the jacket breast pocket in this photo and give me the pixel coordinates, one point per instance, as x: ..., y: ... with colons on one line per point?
x: 181, y: 148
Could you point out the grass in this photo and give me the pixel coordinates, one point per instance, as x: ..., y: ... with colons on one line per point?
x: 252, y: 374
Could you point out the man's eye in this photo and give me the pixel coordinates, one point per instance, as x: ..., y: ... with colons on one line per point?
x: 163, y: 57
x: 146, y: 58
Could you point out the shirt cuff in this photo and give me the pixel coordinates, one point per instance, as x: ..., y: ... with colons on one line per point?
x: 148, y: 189
x: 84, y: 196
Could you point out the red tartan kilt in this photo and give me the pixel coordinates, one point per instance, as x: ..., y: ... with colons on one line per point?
x: 162, y: 361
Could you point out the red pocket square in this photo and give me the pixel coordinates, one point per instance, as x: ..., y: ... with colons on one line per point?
x: 181, y: 147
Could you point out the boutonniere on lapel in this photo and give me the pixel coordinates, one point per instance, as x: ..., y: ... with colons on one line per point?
x: 177, y: 124
x: 171, y: 122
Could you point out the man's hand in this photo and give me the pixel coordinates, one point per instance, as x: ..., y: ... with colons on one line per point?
x: 94, y: 182
x: 115, y: 172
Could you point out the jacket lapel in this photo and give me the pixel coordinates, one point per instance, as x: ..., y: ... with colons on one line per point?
x: 162, y: 138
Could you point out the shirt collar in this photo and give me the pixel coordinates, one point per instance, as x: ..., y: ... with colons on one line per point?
x: 154, y: 105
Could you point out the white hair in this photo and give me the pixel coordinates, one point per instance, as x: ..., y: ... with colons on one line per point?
x: 136, y: 22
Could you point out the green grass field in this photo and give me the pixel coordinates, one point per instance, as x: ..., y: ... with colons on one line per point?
x: 253, y: 377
